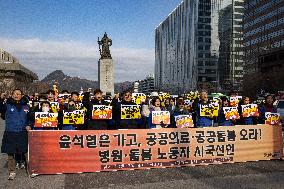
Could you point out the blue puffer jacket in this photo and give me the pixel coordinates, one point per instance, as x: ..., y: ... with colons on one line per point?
x: 222, y: 120
x: 16, y: 115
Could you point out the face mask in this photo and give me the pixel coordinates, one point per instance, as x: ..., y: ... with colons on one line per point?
x: 72, y: 108
x: 45, y: 109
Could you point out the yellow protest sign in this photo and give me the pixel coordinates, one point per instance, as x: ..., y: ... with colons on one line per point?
x: 81, y: 97
x: 54, y: 106
x: 164, y: 96
x: 192, y: 95
x: 130, y: 112
x: 138, y: 98
x: 209, y: 110
x: 74, y: 118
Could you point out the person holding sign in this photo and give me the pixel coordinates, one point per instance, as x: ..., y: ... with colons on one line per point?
x: 156, y: 107
x: 70, y: 107
x: 247, y: 119
x: 44, y: 118
x: 179, y: 110
x: 94, y: 124
x: 266, y: 107
x: 203, y: 120
x: 126, y: 106
x: 67, y: 110
x: 15, y: 138
x: 222, y: 120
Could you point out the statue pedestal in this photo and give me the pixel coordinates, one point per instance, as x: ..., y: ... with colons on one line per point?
x: 106, y: 76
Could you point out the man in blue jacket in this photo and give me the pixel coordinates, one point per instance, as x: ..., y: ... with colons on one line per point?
x: 202, y: 121
x: 15, y: 139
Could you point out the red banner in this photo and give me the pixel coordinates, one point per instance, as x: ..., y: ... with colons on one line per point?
x: 52, y: 152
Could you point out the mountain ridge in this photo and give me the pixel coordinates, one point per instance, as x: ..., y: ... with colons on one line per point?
x: 65, y: 82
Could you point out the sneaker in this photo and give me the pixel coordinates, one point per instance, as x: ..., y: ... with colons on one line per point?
x: 23, y: 166
x: 12, y: 176
x: 17, y: 165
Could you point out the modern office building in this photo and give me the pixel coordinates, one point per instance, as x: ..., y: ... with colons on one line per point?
x: 147, y: 86
x: 175, y: 49
x: 264, y: 45
x: 231, y: 50
x: 200, y: 44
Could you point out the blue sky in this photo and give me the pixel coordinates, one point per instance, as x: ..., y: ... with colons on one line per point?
x: 44, y: 33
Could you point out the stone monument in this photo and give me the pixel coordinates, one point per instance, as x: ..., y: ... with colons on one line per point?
x: 105, y: 69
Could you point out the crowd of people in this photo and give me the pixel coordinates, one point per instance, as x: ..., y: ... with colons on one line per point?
x: 19, y: 110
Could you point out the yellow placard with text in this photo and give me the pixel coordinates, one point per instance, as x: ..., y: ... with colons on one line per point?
x: 209, y: 110
x: 74, y: 118
x: 130, y: 112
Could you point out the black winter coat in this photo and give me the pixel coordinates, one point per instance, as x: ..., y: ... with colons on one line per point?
x: 99, y: 124
x: 123, y: 123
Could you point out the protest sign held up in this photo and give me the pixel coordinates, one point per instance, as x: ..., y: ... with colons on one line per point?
x: 272, y: 118
x: 75, y: 117
x: 231, y: 113
x: 102, y: 112
x: 130, y: 112
x: 184, y: 121
x: 161, y: 117
x: 250, y: 110
x: 209, y: 110
x: 45, y: 119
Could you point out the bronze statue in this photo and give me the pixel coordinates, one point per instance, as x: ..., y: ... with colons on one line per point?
x: 105, y: 42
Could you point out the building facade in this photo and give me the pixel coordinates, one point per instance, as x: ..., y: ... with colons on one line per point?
x: 147, y: 85
x: 175, y: 50
x: 197, y: 46
x: 13, y: 74
x: 264, y: 45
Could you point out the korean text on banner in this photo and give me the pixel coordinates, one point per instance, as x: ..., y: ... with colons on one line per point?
x: 91, y: 151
